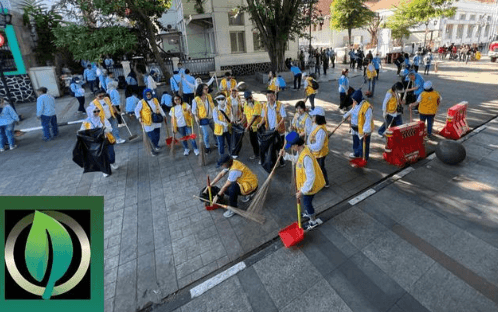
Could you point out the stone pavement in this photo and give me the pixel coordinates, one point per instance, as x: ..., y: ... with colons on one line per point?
x: 426, y: 240
x: 158, y: 239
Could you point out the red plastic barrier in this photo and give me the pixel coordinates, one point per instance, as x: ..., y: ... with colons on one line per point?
x: 456, y: 122
x: 405, y: 144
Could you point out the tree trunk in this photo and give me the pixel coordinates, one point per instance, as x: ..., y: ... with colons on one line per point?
x: 349, y: 35
x: 276, y: 52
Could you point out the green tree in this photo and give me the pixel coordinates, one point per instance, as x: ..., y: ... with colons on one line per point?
x: 278, y: 22
x: 400, y: 27
x: 349, y: 14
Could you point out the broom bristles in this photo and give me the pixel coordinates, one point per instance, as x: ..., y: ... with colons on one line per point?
x: 246, y: 214
x: 172, y: 150
x: 146, y: 142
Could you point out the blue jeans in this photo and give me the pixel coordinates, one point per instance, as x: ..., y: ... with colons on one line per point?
x: 430, y: 122
x: 307, y: 204
x: 92, y: 84
x: 112, y: 154
x: 187, y: 131
x: 154, y: 137
x: 358, y: 146
x: 115, y: 129
x: 371, y: 83
x: 221, y: 143
x: 205, y: 135
x: 7, y: 135
x: 398, y: 121
x: 47, y: 122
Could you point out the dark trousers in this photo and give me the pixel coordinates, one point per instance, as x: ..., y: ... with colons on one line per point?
x: 225, y: 137
x: 430, y: 122
x: 112, y: 154
x: 427, y: 68
x: 154, y: 136
x: 416, y: 68
x: 377, y: 71
x: 81, y: 101
x: 307, y: 202
x: 92, y: 84
x: 253, y: 137
x: 47, y: 123
x: 188, y: 97
x: 233, y: 193
x: 297, y: 78
x: 342, y: 100
x: 332, y: 59
x: 358, y: 146
x: 321, y: 163
x: 399, y: 69
x: 390, y: 122
x: 352, y: 63
x: 311, y: 97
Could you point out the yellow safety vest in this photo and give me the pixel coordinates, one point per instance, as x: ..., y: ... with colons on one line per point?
x: 186, y: 115
x: 281, y: 129
x: 429, y: 103
x: 319, y: 182
x: 201, y: 109
x: 371, y: 74
x: 300, y: 125
x: 96, y: 102
x: 218, y: 129
x: 325, y: 148
x: 273, y: 85
x: 392, y: 103
x: 309, y: 90
x: 146, y: 112
x: 224, y: 84
x: 361, y: 117
x: 109, y: 135
x: 255, y: 110
x: 248, y: 181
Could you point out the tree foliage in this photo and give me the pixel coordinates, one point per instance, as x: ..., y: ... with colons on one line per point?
x: 400, y: 26
x: 349, y: 14
x: 421, y: 11
x: 373, y: 29
x: 278, y: 22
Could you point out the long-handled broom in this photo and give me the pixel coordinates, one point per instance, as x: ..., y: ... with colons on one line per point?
x: 246, y: 214
x: 146, y: 141
x: 200, y: 144
x: 132, y: 136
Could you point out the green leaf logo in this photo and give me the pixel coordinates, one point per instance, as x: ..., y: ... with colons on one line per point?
x: 37, y: 252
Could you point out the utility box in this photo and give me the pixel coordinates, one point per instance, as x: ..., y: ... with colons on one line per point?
x: 45, y: 77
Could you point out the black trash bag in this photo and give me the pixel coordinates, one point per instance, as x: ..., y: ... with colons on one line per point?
x: 236, y: 139
x: 214, y: 190
x: 269, y: 144
x: 91, y: 152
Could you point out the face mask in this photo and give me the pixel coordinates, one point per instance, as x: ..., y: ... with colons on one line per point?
x: 221, y: 103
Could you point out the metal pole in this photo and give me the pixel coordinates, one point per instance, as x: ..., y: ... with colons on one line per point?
x: 311, y: 6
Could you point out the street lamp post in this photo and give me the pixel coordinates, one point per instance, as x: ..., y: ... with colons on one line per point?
x: 481, y: 24
x: 5, y: 19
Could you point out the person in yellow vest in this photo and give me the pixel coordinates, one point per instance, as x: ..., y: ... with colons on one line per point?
x: 182, y: 121
x: 309, y: 92
x: 428, y: 102
x: 227, y: 84
x: 241, y: 181
x: 202, y: 108
x: 361, y: 124
x: 251, y: 118
x: 301, y: 123
x: 222, y: 124
x: 95, y: 120
x: 273, y: 117
x: 273, y: 83
x: 235, y: 102
x: 151, y: 116
x: 318, y: 140
x: 393, y: 116
x: 309, y: 177
x: 370, y: 74
x: 109, y: 112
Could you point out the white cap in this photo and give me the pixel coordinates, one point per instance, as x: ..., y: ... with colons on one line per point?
x: 427, y: 85
x: 318, y: 111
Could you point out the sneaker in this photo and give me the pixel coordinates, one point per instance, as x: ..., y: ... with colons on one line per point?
x: 157, y: 149
x: 121, y: 125
x: 196, y: 152
x: 259, y: 162
x: 153, y: 154
x: 105, y: 175
x: 305, y: 215
x: 327, y: 185
x: 253, y: 157
x: 228, y: 214
x: 311, y: 225
x: 352, y: 155
x: 46, y: 140
x: 235, y: 156
x: 12, y: 147
x: 247, y: 198
x: 378, y: 135
x: 186, y: 152
x: 114, y: 166
x: 120, y: 141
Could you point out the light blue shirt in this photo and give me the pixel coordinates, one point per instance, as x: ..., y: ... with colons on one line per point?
x: 102, y: 79
x: 407, y: 61
x: 167, y: 100
x: 186, y: 88
x: 115, y: 97
x: 90, y: 74
x: 174, y: 81
x: 131, y: 103
x: 181, y: 71
x: 376, y: 62
x: 45, y: 105
x: 418, y: 82
x: 354, y: 113
x: 8, y: 116
x: 343, y: 84
x: 131, y: 81
x: 416, y: 60
x: 109, y: 62
x: 109, y: 79
x: 77, y: 89
x: 295, y: 70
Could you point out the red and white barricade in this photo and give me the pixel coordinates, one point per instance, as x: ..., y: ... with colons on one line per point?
x: 405, y: 143
x: 456, y: 122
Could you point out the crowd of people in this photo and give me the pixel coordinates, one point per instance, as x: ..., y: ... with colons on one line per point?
x: 463, y: 53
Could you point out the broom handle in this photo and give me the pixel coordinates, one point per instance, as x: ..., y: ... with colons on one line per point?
x: 364, y: 145
x: 330, y: 134
x: 209, y: 190
x: 167, y: 129
x: 299, y: 213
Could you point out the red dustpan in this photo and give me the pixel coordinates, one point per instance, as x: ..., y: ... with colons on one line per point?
x: 211, y: 206
x: 359, y: 162
x: 294, y: 233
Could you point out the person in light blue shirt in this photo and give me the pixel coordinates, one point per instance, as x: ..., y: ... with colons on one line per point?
x: 343, y: 89
x: 407, y: 60
x: 358, y: 137
x: 174, y: 82
x: 416, y: 61
x: 167, y: 101
x: 181, y: 70
x: 298, y: 75
x: 417, y: 85
x: 109, y: 63
x: 79, y: 93
x: 377, y: 64
x: 131, y: 103
x: 45, y: 110
x: 8, y: 118
x: 110, y: 77
x: 187, y: 86
x: 90, y: 76
x: 427, y: 60
x: 114, y: 94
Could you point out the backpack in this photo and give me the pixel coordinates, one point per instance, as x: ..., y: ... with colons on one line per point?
x: 314, y: 84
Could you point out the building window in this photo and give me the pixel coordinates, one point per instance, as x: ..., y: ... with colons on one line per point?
x: 238, y: 41
x: 9, y: 63
x: 470, y: 30
x: 459, y: 32
x: 449, y: 31
x: 473, y: 17
x: 462, y: 17
x: 257, y: 40
x: 235, y: 19
x: 486, y: 31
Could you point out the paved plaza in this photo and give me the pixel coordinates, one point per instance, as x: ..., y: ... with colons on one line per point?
x: 426, y: 241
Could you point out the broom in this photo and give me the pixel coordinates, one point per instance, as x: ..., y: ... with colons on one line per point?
x: 200, y: 144
x: 146, y: 141
x: 172, y: 150
x: 246, y: 214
